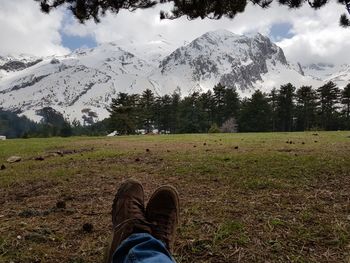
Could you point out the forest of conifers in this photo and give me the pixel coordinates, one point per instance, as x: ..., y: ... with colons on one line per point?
x: 221, y: 110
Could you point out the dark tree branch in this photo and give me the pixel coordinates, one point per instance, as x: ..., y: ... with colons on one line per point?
x: 85, y: 10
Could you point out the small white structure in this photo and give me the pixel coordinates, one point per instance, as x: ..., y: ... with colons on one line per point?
x: 2, y: 138
x: 115, y: 133
x: 144, y: 132
x: 141, y: 132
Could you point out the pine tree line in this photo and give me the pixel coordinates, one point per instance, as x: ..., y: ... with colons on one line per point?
x: 52, y: 124
x: 221, y: 110
x: 284, y: 109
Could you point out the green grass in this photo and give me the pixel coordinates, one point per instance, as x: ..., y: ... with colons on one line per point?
x: 244, y: 197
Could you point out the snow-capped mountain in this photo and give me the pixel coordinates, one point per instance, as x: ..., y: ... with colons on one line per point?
x: 240, y: 62
x: 88, y: 79
x: 221, y: 56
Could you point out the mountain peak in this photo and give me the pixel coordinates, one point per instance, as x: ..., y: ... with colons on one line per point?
x: 221, y: 32
x: 236, y: 61
x: 219, y: 35
x: 258, y: 35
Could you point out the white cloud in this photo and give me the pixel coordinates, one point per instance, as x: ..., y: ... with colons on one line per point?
x: 318, y: 37
x: 316, y: 34
x: 142, y: 25
x: 24, y: 29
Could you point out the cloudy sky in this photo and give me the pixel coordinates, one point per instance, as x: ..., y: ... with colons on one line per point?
x: 305, y: 35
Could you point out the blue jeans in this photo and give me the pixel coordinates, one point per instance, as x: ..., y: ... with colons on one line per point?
x: 142, y: 248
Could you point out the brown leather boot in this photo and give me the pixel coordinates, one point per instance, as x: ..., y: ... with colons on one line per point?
x: 128, y: 214
x: 163, y: 212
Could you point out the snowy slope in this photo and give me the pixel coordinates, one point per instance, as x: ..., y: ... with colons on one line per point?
x: 85, y: 79
x: 342, y: 77
x: 152, y: 50
x: 320, y: 70
x: 240, y: 62
x: 339, y: 74
x: 10, y: 64
x: 90, y: 78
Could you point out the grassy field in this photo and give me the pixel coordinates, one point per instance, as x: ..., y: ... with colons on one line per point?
x: 270, y: 197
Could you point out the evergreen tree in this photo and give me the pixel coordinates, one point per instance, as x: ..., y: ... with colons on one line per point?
x: 52, y: 121
x: 231, y: 102
x: 204, y: 108
x: 306, y: 108
x: 13, y: 126
x: 273, y: 99
x: 328, y: 103
x: 163, y: 113
x: 285, y: 107
x: 66, y: 130
x: 100, y: 128
x: 208, y: 106
x: 175, y: 111
x: 225, y: 104
x: 77, y: 128
x: 255, y: 114
x: 193, y: 117
x: 123, y: 112
x: 147, y: 110
x: 345, y: 100
x: 219, y: 103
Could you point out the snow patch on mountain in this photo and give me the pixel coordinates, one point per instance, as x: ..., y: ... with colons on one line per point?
x: 153, y: 50
x: 341, y: 77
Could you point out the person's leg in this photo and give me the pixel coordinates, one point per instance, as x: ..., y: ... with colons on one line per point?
x: 143, y: 248
x: 135, y: 239
x: 128, y: 215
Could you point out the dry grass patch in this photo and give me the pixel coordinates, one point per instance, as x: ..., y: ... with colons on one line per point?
x: 244, y: 197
